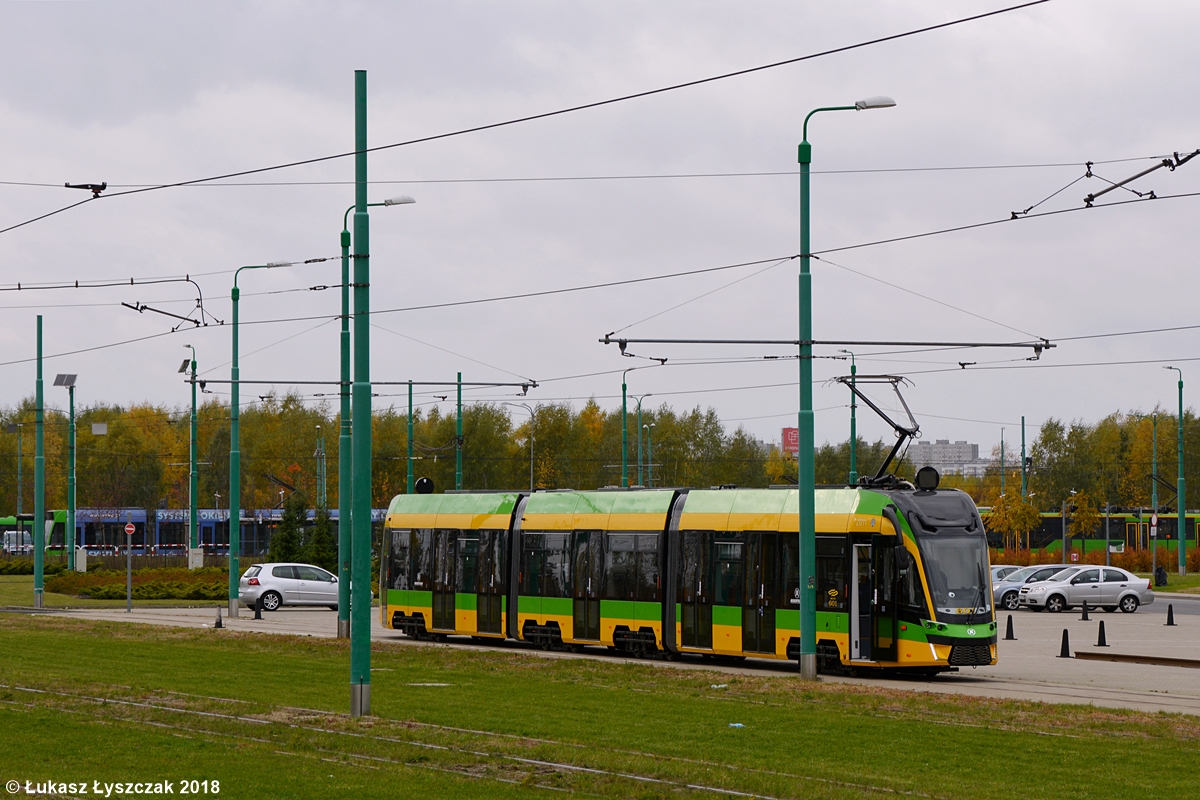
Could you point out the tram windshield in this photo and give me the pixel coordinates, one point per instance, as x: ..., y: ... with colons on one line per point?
x: 957, y: 568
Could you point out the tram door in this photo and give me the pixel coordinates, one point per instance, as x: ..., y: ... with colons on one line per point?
x: 758, y: 612
x: 860, y: 602
x: 587, y: 575
x: 444, y: 584
x: 883, y: 597
x: 1136, y: 534
x: 695, y: 592
x: 489, y: 597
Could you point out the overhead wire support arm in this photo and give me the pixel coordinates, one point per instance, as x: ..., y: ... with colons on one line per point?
x: 1169, y: 163
x: 1038, y: 345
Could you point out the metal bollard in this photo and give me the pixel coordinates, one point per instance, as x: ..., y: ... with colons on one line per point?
x: 219, y: 624
x: 1170, y: 615
x: 1101, y: 641
x: 1085, y: 617
x: 1008, y: 634
x: 1065, y: 652
x: 258, y: 608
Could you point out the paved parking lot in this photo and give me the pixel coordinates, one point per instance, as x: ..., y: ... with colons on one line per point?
x: 1028, y: 669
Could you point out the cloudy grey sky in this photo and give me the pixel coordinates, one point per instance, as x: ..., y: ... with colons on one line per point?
x: 146, y: 93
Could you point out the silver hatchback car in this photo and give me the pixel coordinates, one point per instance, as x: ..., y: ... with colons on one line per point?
x: 1007, y: 590
x: 1109, y: 588
x: 288, y: 585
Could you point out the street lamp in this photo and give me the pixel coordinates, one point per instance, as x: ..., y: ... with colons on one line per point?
x: 193, y: 473
x: 235, y: 455
x: 853, y: 429
x: 625, y: 431
x: 69, y: 539
x: 345, y: 450
x: 806, y: 470
x: 650, y: 454
x: 639, y: 431
x: 1181, y: 484
x: 532, y: 421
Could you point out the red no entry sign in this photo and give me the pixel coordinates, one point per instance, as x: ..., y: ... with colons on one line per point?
x: 129, y: 529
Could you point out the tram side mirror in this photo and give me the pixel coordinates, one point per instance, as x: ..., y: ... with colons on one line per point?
x: 889, y: 514
x: 927, y: 479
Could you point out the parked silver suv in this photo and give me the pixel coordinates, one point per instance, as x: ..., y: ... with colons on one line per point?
x: 288, y: 585
x: 1109, y: 588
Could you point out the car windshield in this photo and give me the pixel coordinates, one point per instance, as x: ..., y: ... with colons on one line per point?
x: 956, y: 566
x: 1020, y: 575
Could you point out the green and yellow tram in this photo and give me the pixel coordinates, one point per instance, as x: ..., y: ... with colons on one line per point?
x: 901, y: 574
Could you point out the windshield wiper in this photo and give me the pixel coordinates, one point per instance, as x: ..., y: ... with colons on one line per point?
x: 978, y: 596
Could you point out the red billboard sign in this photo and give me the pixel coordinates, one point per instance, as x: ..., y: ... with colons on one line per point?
x: 791, y: 441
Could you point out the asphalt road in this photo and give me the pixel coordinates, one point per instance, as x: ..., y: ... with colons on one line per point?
x: 1029, y: 668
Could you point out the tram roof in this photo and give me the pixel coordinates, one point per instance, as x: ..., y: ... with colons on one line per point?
x: 644, y: 510
x: 461, y: 511
x: 837, y: 510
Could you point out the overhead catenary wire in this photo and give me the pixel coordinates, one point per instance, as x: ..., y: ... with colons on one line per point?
x: 626, y: 177
x: 547, y: 114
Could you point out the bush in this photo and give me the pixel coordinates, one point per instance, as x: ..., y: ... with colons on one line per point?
x: 24, y: 566
x: 110, y: 584
x: 160, y: 590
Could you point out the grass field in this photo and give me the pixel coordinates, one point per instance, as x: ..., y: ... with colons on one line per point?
x: 264, y: 715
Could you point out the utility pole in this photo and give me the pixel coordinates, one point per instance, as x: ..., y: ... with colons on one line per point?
x: 1002, y: 461
x: 360, y: 602
x: 458, y: 440
x: 39, y: 481
x: 410, y: 439
x: 1024, y: 463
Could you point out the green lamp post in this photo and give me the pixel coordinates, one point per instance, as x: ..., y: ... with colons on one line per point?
x: 345, y: 480
x: 235, y: 453
x: 853, y: 427
x: 625, y: 430
x: 193, y: 472
x: 69, y: 534
x: 807, y: 477
x: 1181, y: 485
x: 39, y: 481
x: 639, y: 433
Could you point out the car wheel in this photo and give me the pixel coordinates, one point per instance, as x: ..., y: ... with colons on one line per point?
x: 271, y: 601
x: 1011, y: 601
x: 1129, y: 604
x: 1110, y: 609
x: 1055, y: 603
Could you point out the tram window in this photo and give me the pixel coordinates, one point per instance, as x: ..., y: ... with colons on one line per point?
x: 832, y: 592
x: 554, y: 565
x: 531, y: 564
x: 468, y: 554
x: 727, y: 573
x: 789, y: 569
x: 398, y: 564
x: 694, y: 578
x: 911, y: 593
x: 421, y: 550
x: 620, y: 567
x: 647, y: 567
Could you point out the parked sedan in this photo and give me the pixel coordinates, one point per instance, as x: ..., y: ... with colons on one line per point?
x: 288, y: 585
x: 1109, y: 588
x: 1007, y: 591
x: 1000, y: 571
